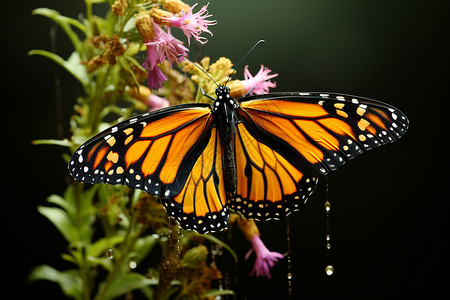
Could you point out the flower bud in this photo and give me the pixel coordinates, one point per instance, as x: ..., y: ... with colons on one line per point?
x: 160, y: 16
x: 248, y: 227
x: 145, y: 26
x: 119, y: 7
x: 194, y: 257
x: 237, y: 89
x: 142, y: 94
x: 175, y: 6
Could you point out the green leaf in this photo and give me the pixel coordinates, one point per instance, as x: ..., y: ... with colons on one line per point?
x: 60, y: 201
x: 72, y: 65
x: 65, y: 23
x: 64, y: 142
x: 194, y: 257
x: 61, y: 220
x: 215, y: 292
x: 99, y: 247
x: 125, y: 283
x: 69, y: 281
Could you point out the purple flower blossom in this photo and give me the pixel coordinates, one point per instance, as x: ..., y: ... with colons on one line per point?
x: 260, y: 83
x: 193, y: 24
x: 155, y: 78
x: 265, y: 260
x: 164, y: 46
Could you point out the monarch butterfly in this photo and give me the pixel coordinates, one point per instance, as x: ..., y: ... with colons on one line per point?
x: 258, y: 155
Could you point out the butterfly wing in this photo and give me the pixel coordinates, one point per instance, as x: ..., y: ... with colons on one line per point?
x: 201, y: 204
x: 268, y: 186
x: 319, y: 132
x: 171, y: 153
x: 285, y: 140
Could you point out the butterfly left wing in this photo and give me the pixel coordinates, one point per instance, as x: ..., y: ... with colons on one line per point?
x: 201, y: 204
x: 173, y: 153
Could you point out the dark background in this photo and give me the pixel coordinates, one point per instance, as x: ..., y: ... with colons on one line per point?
x: 390, y: 212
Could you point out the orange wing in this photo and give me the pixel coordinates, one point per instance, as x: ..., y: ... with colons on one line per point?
x: 268, y: 186
x: 284, y: 141
x: 153, y: 152
x: 201, y: 204
x: 173, y: 153
x: 317, y: 133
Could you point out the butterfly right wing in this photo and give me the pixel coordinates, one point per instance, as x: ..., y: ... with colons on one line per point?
x: 268, y: 185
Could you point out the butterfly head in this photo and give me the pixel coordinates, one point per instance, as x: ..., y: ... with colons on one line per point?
x: 223, y: 92
x: 224, y: 99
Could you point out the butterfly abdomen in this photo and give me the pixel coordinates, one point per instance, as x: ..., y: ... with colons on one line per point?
x: 224, y: 107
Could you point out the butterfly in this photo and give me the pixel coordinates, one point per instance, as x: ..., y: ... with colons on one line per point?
x: 260, y: 156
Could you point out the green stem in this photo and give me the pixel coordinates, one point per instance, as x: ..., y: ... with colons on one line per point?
x: 82, y: 262
x: 131, y: 237
x: 84, y: 272
x: 95, y: 103
x: 126, y: 18
x: 89, y: 31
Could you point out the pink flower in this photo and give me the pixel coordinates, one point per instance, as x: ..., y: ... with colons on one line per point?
x: 193, y: 24
x: 265, y: 260
x: 155, y: 78
x: 260, y: 83
x: 156, y: 102
x: 164, y: 46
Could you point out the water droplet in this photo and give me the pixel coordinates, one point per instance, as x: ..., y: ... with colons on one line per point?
x: 328, y: 245
x: 132, y: 264
x: 110, y: 254
x: 289, y: 276
x: 329, y: 270
x: 328, y: 237
x: 327, y: 206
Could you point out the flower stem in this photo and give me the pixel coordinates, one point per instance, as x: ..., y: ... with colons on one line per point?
x: 89, y: 31
x: 169, y: 262
x: 131, y: 236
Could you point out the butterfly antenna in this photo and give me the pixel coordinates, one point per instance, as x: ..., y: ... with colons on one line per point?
x: 200, y: 68
x: 259, y: 42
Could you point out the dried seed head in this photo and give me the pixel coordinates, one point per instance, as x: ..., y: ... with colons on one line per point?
x: 119, y: 7
x: 175, y: 6
x: 145, y: 26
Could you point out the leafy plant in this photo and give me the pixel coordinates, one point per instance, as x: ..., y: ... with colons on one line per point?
x: 111, y: 231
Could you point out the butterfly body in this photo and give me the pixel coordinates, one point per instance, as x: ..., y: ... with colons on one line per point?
x: 224, y: 107
x: 259, y: 155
